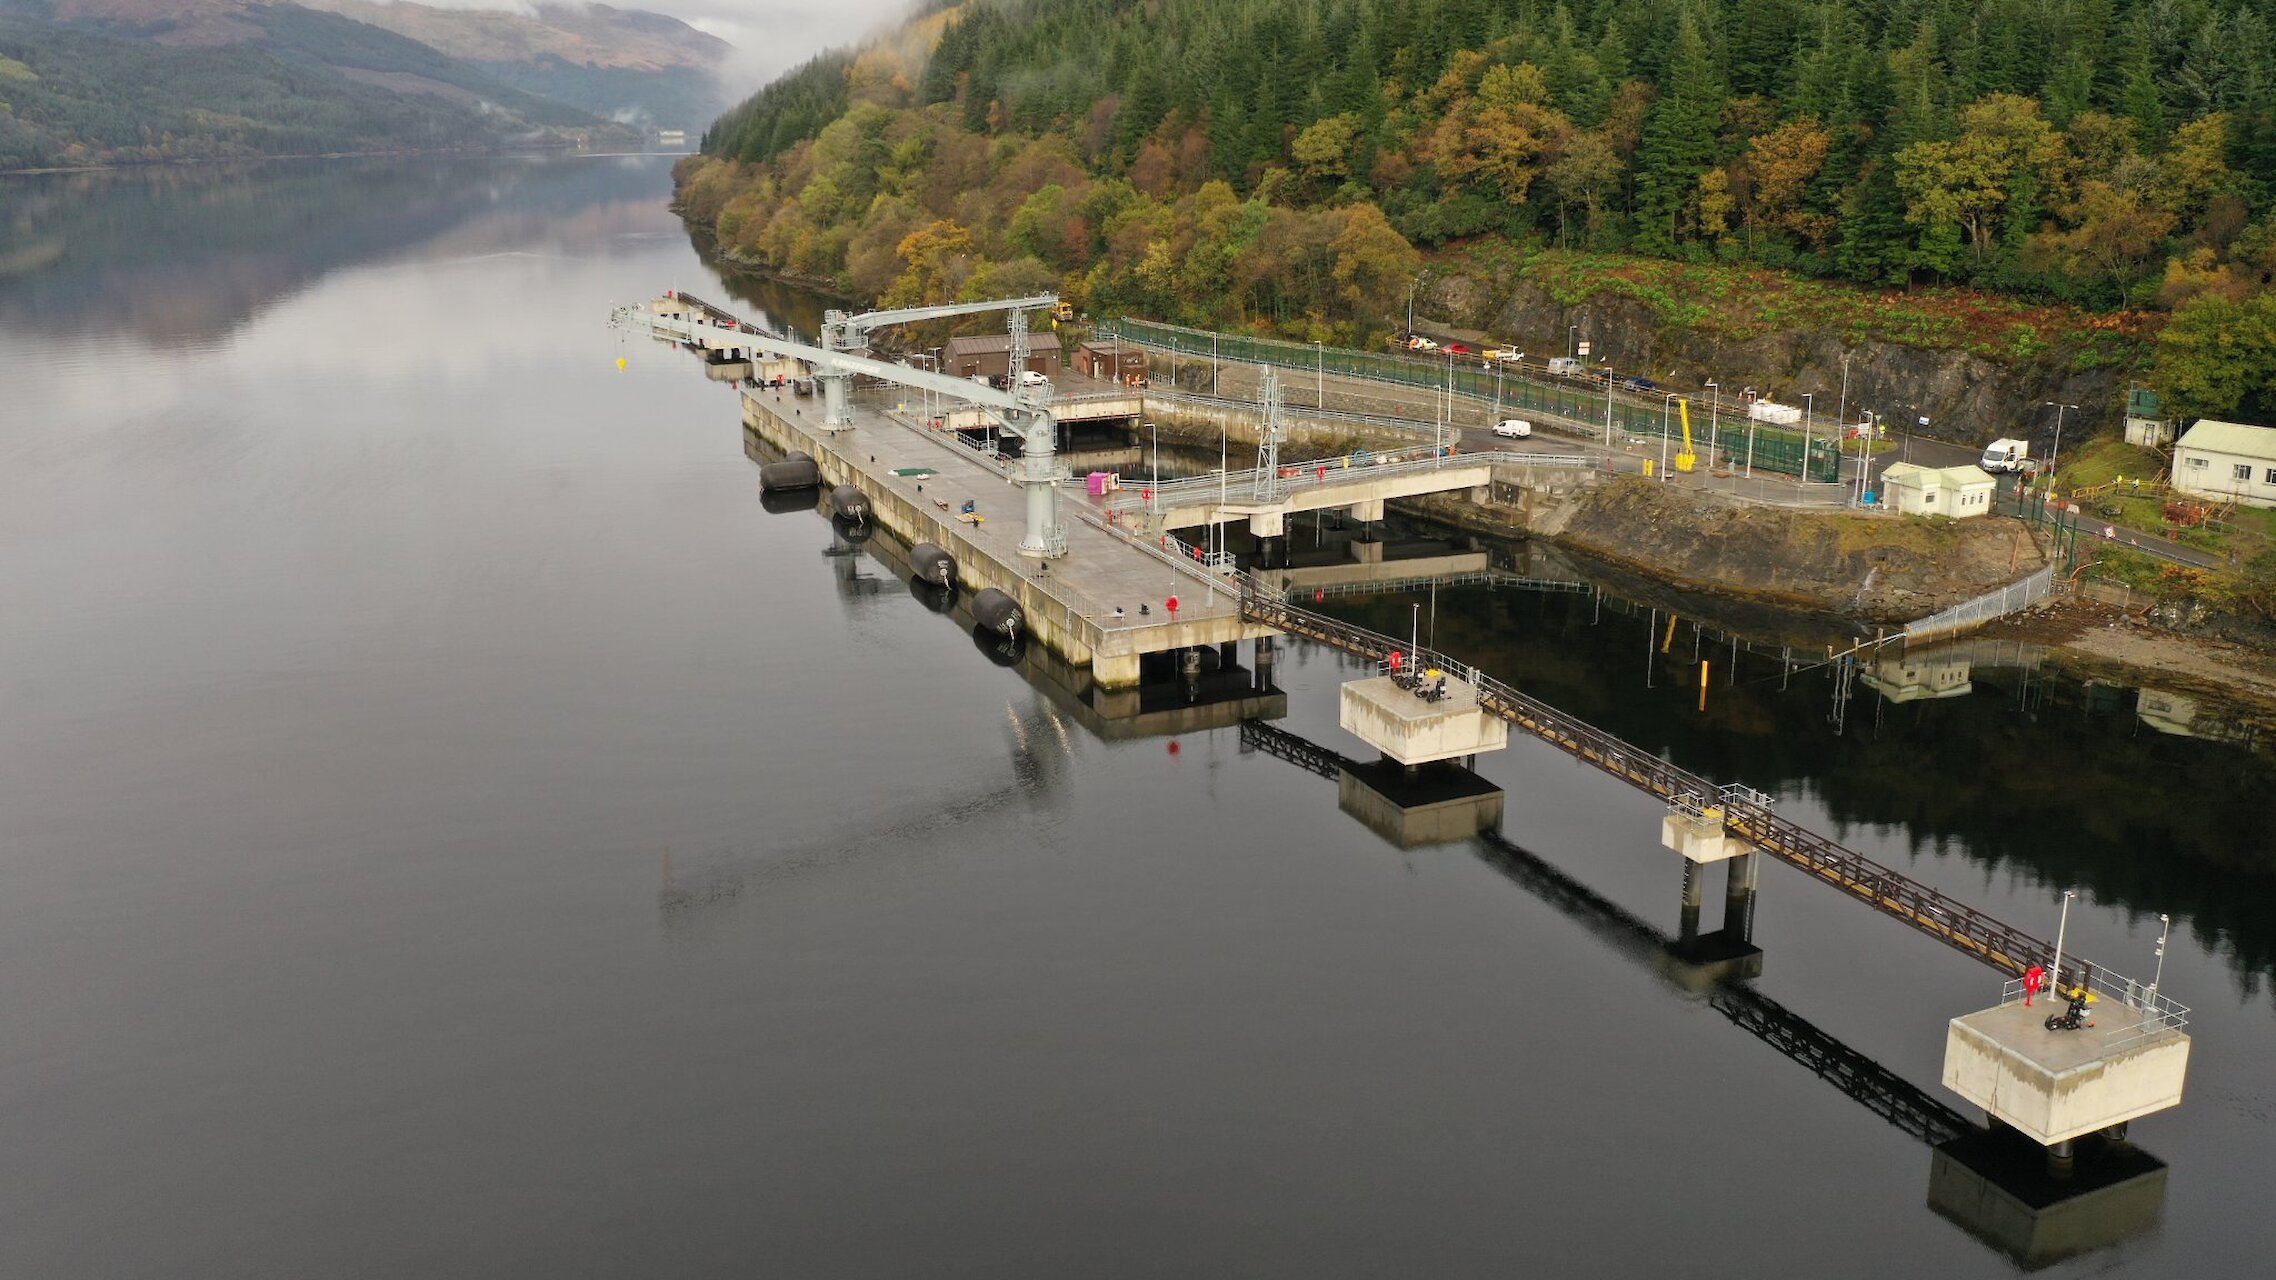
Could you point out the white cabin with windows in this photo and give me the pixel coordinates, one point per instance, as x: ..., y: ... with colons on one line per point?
x: 1957, y: 492
x: 2227, y: 460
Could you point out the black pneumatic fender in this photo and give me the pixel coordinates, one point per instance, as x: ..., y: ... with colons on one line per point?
x: 791, y: 473
x: 933, y: 565
x: 850, y: 504
x: 782, y: 501
x: 996, y: 612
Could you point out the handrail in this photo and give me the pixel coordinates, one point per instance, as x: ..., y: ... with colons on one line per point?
x: 1330, y: 472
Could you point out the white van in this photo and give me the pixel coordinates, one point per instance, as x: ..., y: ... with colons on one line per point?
x: 1566, y: 366
x: 1513, y: 428
x: 1030, y: 378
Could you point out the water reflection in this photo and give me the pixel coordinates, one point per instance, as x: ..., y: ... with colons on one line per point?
x: 179, y: 255
x: 1995, y: 1184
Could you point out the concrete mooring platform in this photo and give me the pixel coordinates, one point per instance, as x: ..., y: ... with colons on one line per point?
x: 2053, y: 1086
x: 1410, y: 730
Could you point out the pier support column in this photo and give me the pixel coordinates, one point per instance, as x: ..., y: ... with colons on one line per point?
x: 1687, y: 925
x: 1696, y: 830
x: 1266, y: 657
x: 1738, y: 897
x: 1228, y: 655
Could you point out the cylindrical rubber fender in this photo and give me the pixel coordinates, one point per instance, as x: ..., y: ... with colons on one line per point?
x: 781, y: 501
x: 931, y: 564
x: 795, y: 473
x: 850, y: 504
x: 998, y: 613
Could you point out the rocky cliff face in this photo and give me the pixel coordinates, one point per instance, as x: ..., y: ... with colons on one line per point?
x: 1882, y: 569
x: 1966, y: 398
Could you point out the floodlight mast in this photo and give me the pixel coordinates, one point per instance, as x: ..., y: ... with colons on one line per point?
x: 849, y: 334
x: 1024, y: 414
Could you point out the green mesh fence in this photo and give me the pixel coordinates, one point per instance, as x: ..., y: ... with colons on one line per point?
x: 1744, y: 443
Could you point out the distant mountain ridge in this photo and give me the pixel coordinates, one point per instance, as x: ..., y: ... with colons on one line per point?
x: 594, y: 36
x: 96, y: 81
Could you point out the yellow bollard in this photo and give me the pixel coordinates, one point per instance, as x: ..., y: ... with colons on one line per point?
x: 1647, y: 467
x: 620, y: 362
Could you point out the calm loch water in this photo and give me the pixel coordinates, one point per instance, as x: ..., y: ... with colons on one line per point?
x: 449, y: 827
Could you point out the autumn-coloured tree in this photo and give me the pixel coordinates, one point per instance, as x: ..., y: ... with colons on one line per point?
x: 1780, y: 166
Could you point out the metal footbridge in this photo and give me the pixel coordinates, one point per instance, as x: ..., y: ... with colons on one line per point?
x: 1747, y: 813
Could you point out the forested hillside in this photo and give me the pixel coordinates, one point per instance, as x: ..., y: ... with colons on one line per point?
x: 1276, y: 162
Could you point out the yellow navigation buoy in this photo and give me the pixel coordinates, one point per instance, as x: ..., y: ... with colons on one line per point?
x: 620, y: 362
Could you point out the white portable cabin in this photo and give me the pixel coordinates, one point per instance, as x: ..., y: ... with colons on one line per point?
x: 1958, y: 492
x: 2228, y: 460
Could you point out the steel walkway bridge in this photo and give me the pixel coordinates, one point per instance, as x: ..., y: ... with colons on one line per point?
x: 1747, y: 814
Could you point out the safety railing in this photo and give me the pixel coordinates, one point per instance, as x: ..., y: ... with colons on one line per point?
x: 2148, y: 1012
x: 1969, y: 614
x: 1256, y: 484
x: 1746, y: 815
x: 1491, y: 579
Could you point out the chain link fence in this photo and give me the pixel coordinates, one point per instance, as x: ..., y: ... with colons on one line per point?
x: 1748, y: 445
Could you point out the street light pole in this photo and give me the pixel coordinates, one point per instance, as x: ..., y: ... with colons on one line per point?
x: 1573, y: 341
x: 2059, y: 406
x: 1154, y: 489
x: 1802, y: 473
x: 1714, y: 421
x: 1608, y: 410
x: 1319, y: 376
x: 1666, y: 405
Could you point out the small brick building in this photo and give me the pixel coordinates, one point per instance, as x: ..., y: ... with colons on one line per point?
x: 990, y: 355
x: 1112, y: 362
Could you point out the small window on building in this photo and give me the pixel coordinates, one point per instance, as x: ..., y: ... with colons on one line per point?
x: 2243, y: 471
x: 2197, y: 462
x: 2268, y: 476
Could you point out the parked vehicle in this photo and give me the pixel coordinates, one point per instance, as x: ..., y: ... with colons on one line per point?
x: 1030, y: 378
x: 1639, y: 384
x: 1566, y: 366
x: 2006, y: 454
x: 1513, y: 428
x: 1457, y: 349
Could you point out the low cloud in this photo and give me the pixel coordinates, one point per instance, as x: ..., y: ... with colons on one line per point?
x: 769, y: 36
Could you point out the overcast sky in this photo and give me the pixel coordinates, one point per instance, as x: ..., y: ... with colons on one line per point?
x: 770, y: 36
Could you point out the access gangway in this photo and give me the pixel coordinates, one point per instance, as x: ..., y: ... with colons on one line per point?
x: 1747, y: 813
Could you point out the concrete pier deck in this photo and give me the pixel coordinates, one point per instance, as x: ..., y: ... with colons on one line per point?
x: 917, y: 480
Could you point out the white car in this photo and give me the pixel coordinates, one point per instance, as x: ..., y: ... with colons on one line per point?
x: 1513, y: 428
x: 1030, y: 378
